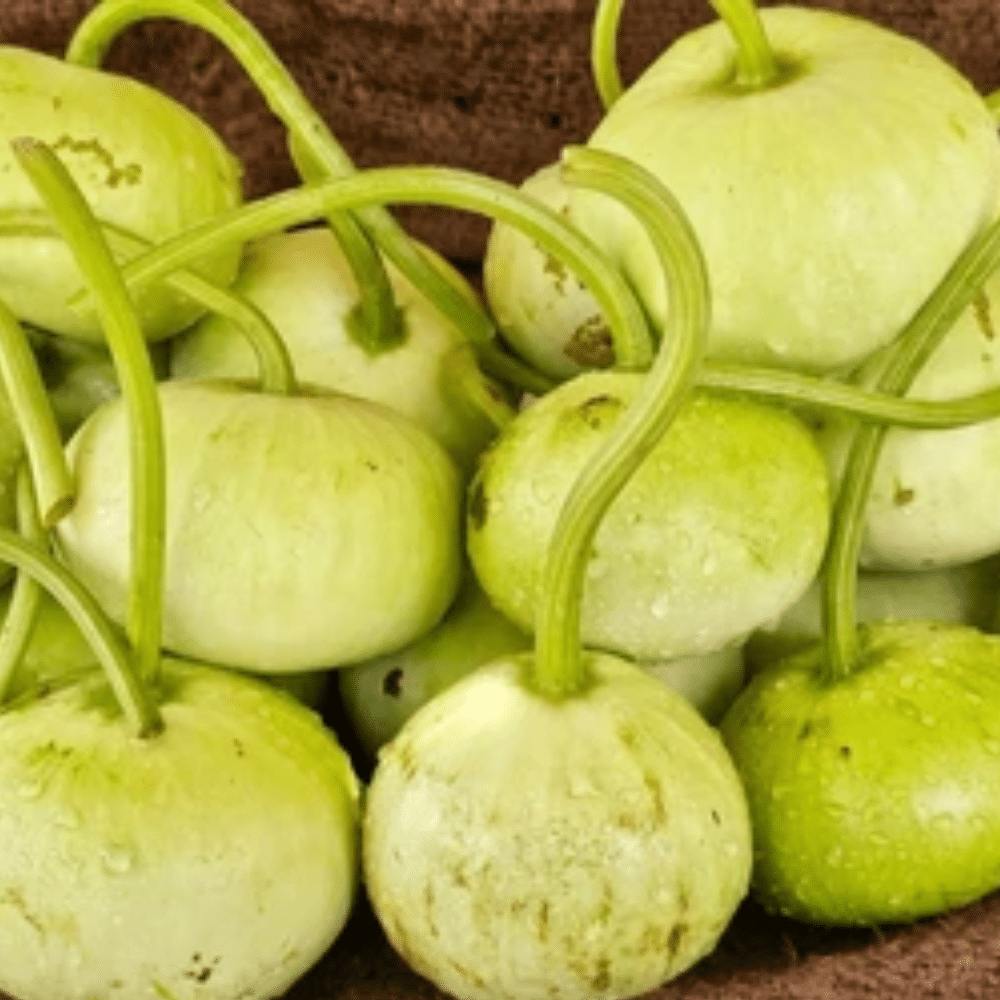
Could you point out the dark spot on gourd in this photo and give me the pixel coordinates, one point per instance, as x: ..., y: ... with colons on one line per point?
x: 675, y: 938
x: 984, y: 317
x: 597, y: 410
x: 602, y: 978
x: 716, y: 818
x: 392, y: 683
x: 57, y: 103
x: 130, y: 173
x: 806, y: 730
x: 555, y: 267
x: 543, y: 920
x: 241, y: 750
x: 371, y: 465
x: 478, y: 504
x: 903, y: 495
x: 429, y: 900
x: 845, y: 752
x: 628, y: 735
x: 655, y: 790
x: 14, y: 898
x: 591, y: 345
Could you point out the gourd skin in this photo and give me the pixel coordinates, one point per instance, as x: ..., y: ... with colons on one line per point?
x: 585, y: 848
x: 302, y: 532
x: 873, y: 799
x: 302, y: 282
x: 217, y: 860
x: 143, y: 161
x: 828, y: 204
x: 546, y: 314
x: 720, y: 529
x: 932, y: 502
x: 380, y: 695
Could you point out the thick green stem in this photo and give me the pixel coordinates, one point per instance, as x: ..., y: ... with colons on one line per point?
x: 36, y: 420
x: 418, y: 185
x: 558, y: 670
x: 309, y: 134
x: 140, y: 711
x: 604, y: 51
x: 20, y: 618
x: 821, y: 394
x: 129, y: 352
x: 755, y: 63
x: 904, y: 361
x: 375, y: 324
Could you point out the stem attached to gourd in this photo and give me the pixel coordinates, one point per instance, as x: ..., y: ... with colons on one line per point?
x: 558, y: 671
x: 277, y: 374
x: 140, y: 711
x: 904, y: 361
x: 22, y: 381
x: 20, y: 618
x: 129, y: 352
x: 604, y: 51
x: 315, y: 145
x: 378, y: 314
x: 416, y: 185
x: 755, y: 63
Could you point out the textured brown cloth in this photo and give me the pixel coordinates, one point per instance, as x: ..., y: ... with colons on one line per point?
x: 500, y: 86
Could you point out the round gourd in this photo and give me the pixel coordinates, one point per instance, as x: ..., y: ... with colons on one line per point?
x: 144, y: 163
x: 302, y: 532
x: 591, y: 847
x: 719, y: 530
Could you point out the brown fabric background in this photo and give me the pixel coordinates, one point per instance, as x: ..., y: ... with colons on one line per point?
x: 499, y: 86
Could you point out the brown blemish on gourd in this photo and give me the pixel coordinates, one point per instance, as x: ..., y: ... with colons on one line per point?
x: 14, y: 898
x: 130, y: 173
x: 543, y: 921
x: 602, y: 977
x: 557, y: 269
x: 591, y: 344
x: 655, y: 790
x: 597, y: 410
x: 675, y: 938
x: 903, y: 495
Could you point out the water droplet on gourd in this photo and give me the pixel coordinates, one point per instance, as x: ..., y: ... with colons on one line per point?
x: 907, y: 681
x: 708, y: 565
x: 117, y: 859
x: 660, y: 608
x: 927, y: 719
x: 30, y: 789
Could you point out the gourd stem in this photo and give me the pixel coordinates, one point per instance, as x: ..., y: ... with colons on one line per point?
x: 502, y: 366
x: 141, y: 713
x: 558, y: 669
x: 375, y: 324
x: 755, y: 63
x: 814, y: 393
x: 307, y: 130
x: 133, y: 367
x: 904, y: 361
x: 416, y: 185
x: 462, y: 377
x: 604, y: 51
x: 20, y: 618
x: 275, y: 365
x: 36, y: 420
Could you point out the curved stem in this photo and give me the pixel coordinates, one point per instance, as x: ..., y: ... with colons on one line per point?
x: 419, y: 185
x: 140, y: 711
x: 604, y: 51
x: 558, y: 669
x: 815, y: 393
x: 312, y: 139
x: 375, y: 324
x: 20, y: 618
x: 276, y: 372
x: 755, y: 63
x: 36, y: 419
x: 465, y: 380
x: 130, y: 354
x: 908, y: 355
